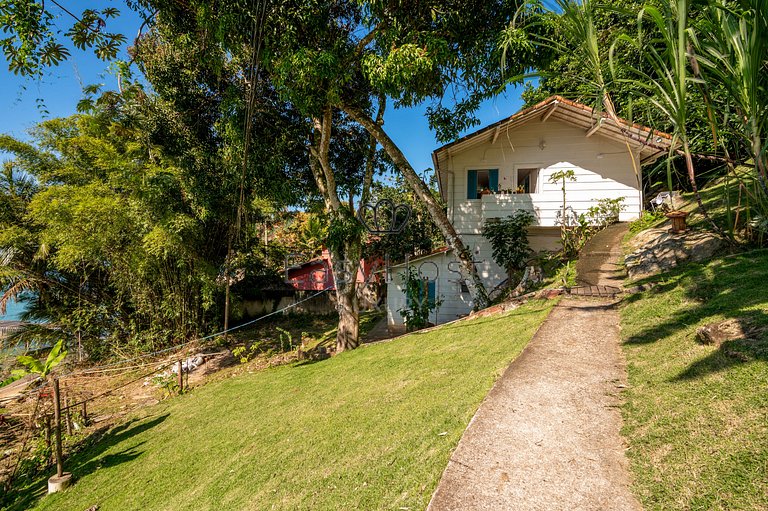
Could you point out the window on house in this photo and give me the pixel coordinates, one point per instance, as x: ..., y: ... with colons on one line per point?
x: 526, y: 180
x: 480, y: 180
x: 426, y: 291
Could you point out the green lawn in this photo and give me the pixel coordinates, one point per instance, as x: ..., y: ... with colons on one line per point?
x: 696, y: 417
x: 368, y: 429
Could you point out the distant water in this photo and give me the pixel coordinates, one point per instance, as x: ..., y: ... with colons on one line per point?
x: 13, y: 312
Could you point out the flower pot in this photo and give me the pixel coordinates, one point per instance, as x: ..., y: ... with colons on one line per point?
x: 678, y: 221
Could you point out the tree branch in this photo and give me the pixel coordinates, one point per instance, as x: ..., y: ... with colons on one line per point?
x: 366, y: 40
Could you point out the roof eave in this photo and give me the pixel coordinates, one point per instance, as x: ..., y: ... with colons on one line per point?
x: 568, y: 107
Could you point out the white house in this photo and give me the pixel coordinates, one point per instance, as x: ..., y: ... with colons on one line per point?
x: 520, y: 153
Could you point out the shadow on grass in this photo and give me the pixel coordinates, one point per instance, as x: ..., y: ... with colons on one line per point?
x: 732, y: 287
x: 729, y: 354
x: 27, y: 492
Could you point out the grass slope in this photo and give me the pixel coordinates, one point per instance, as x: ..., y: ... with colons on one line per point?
x: 368, y: 429
x: 696, y: 417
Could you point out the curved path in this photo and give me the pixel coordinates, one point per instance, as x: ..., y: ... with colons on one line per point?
x: 547, y: 435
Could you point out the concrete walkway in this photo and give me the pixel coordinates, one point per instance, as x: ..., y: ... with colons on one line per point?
x: 547, y: 435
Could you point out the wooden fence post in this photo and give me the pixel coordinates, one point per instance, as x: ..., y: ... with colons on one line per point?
x: 181, y: 377
x: 67, y: 415
x: 61, y: 480
x: 57, y: 424
x: 47, y: 431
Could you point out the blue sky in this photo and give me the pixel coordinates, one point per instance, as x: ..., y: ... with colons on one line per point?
x: 61, y: 89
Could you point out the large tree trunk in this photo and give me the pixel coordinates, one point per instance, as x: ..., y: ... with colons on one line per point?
x: 452, y: 238
x: 345, y: 278
x: 345, y: 255
x: 348, y: 335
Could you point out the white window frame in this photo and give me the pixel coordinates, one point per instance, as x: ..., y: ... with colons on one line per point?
x: 538, y: 166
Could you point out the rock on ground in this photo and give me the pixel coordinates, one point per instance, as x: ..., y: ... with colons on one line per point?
x: 722, y: 331
x: 658, y: 250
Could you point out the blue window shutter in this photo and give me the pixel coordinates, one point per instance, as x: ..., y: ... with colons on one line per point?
x: 472, y: 184
x: 431, y: 291
x: 493, y: 180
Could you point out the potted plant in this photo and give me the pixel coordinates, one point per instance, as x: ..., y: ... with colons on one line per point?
x: 486, y: 191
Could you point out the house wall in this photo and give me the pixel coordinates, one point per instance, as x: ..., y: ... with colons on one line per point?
x: 603, y: 169
x: 443, y: 268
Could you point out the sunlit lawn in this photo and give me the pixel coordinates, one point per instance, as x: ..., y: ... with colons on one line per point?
x: 696, y: 416
x: 368, y: 429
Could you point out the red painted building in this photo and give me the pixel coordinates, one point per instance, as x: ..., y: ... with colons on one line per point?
x: 317, y: 275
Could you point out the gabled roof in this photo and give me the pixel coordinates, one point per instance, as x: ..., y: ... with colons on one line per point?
x: 650, y: 142
x: 438, y: 251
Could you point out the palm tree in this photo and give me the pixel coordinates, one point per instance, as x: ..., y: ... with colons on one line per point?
x: 664, y: 78
x: 733, y: 50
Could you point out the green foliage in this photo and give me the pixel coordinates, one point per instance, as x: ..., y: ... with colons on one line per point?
x: 418, y: 303
x: 246, y: 353
x: 39, y: 367
x: 313, y: 235
x: 116, y: 222
x: 565, y: 275
x: 576, y: 234
x: 15, y: 374
x: 419, y: 236
x: 168, y: 381
x: 343, y: 228
x: 605, y: 213
x: 410, y: 66
x: 647, y: 220
x: 286, y: 340
x: 32, y: 44
x: 509, y: 240
x: 562, y: 175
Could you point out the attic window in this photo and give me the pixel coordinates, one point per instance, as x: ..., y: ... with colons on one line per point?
x: 526, y: 180
x: 480, y: 180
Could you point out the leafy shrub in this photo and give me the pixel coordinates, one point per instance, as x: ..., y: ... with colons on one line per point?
x: 509, y: 240
x: 586, y: 225
x: 418, y: 304
x: 605, y: 213
x: 167, y: 381
x: 565, y: 275
x: 646, y: 220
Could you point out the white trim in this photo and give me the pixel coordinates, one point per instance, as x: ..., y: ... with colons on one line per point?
x: 550, y: 111
x: 518, y: 166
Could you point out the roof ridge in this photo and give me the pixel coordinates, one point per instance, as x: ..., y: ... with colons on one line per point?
x: 556, y: 98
